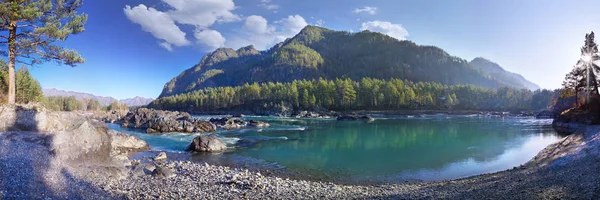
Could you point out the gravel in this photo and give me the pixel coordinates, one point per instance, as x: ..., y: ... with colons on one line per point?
x: 566, y: 170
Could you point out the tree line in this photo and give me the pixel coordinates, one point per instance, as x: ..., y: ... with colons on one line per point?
x: 583, y: 76
x: 366, y: 94
x: 29, y: 90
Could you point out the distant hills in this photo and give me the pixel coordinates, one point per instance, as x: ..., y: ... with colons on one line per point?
x: 104, y: 101
x: 505, y: 77
x: 322, y: 53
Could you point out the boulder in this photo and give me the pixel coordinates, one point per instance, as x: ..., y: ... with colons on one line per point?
x: 124, y: 143
x: 228, y: 123
x: 161, y: 156
x: 207, y: 144
x: 258, y: 124
x: 159, y: 121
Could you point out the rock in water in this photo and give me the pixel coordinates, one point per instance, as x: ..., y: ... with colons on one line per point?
x: 123, y: 143
x: 159, y: 121
x: 207, y: 144
x: 161, y: 156
x: 258, y: 124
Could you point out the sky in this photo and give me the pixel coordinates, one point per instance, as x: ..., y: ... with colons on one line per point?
x: 133, y: 47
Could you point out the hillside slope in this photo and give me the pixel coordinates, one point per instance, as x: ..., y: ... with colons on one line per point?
x: 505, y: 77
x: 321, y: 53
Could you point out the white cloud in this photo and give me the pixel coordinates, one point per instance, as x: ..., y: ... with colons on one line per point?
x: 367, y: 9
x: 293, y: 24
x: 259, y: 33
x: 393, y: 30
x: 158, y: 23
x: 166, y: 45
x: 266, y: 4
x: 209, y: 38
x: 202, y: 13
x: 257, y: 25
x: 319, y: 22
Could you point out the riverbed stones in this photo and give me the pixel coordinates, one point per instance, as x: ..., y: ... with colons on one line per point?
x: 162, y: 156
x: 207, y: 144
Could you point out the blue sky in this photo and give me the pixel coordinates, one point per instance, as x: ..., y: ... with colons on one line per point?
x: 133, y: 47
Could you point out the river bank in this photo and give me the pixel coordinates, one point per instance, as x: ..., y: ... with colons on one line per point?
x: 33, y: 168
x: 564, y: 170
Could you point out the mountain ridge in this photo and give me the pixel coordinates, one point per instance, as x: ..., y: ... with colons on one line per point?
x: 317, y: 52
x: 103, y: 100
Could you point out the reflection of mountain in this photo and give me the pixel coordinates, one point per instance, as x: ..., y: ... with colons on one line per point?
x: 392, y: 146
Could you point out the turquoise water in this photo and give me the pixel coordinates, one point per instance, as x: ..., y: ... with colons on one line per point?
x: 425, y: 147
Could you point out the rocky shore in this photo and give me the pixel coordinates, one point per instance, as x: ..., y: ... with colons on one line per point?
x: 54, y: 155
x: 157, y: 121
x: 565, y: 170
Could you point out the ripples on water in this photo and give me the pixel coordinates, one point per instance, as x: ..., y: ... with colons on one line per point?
x: 393, y: 147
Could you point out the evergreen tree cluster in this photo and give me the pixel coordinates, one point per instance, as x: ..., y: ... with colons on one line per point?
x: 583, y: 77
x: 28, y: 88
x: 368, y: 94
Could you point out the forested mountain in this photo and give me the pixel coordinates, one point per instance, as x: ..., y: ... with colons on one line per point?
x: 321, y: 53
x: 505, y: 77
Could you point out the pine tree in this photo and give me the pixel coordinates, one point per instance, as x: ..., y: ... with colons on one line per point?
x: 31, y: 27
x: 28, y: 89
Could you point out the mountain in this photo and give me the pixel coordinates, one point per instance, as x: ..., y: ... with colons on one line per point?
x: 322, y: 53
x: 104, y: 101
x: 137, y: 101
x: 505, y: 77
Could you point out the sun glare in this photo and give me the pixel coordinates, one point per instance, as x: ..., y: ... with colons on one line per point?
x: 586, y: 58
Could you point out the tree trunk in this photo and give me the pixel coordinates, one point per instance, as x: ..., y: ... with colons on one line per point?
x: 12, y: 47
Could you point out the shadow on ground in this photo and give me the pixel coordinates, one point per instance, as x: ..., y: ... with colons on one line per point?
x: 29, y: 169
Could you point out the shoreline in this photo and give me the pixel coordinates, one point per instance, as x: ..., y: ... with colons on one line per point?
x: 385, y: 112
x: 561, y: 170
x: 566, y: 169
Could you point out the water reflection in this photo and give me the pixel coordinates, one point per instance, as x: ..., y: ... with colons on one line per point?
x: 407, y: 148
x: 428, y: 147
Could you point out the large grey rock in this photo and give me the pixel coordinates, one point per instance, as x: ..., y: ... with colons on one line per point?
x: 82, y: 141
x: 124, y: 143
x: 159, y: 121
x: 207, y: 144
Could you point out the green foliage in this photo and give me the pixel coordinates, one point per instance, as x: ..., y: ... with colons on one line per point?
x: 28, y: 89
x: 31, y: 29
x: 62, y: 103
x: 317, y: 53
x: 116, y: 106
x: 40, y: 24
x: 93, y: 105
x: 297, y: 55
x: 371, y: 94
x: 3, y: 81
x: 577, y: 79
